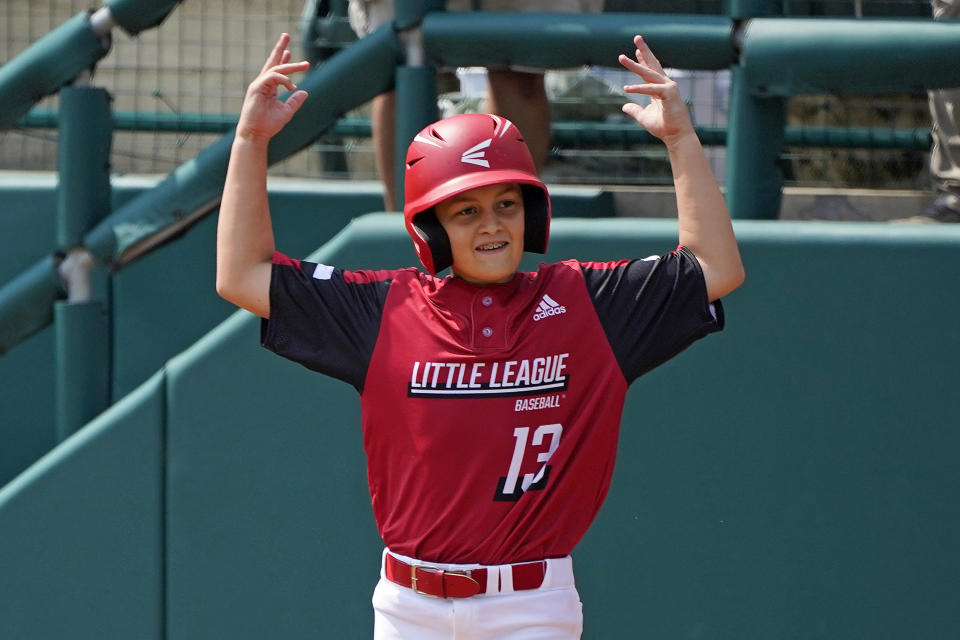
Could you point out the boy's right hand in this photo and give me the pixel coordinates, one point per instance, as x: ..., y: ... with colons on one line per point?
x: 263, y: 114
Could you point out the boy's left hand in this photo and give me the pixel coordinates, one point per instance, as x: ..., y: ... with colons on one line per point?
x: 666, y: 117
x: 263, y: 113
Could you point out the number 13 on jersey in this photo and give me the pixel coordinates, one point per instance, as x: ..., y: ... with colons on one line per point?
x: 512, y: 486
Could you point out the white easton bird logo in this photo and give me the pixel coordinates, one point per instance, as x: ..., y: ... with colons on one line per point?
x: 475, y: 154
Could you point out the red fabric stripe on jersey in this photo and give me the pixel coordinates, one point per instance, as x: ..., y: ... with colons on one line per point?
x: 279, y: 258
x: 603, y: 265
x: 366, y: 276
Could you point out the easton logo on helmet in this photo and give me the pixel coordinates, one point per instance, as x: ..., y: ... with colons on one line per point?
x: 548, y: 307
x: 474, y: 155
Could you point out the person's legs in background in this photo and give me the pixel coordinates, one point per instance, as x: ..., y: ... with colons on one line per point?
x: 521, y: 97
x: 365, y: 17
x: 945, y: 155
x: 945, y: 152
x: 383, y: 126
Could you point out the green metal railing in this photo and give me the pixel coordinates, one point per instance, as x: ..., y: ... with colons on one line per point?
x: 563, y: 133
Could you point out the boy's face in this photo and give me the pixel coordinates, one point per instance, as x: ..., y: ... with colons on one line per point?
x: 485, y: 226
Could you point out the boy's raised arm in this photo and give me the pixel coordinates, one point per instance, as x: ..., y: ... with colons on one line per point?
x: 704, y: 220
x: 244, y: 233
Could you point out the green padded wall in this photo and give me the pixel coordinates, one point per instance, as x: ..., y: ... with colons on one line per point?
x: 27, y: 232
x: 81, y: 531
x: 795, y: 476
x: 269, y: 532
x: 791, y: 477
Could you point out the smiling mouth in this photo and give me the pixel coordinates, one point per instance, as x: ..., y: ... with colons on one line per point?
x: 491, y: 246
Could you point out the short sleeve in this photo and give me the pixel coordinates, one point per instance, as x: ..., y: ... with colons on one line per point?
x: 325, y: 318
x: 651, y: 309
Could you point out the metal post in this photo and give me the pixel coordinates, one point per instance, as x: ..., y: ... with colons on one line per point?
x: 83, y: 193
x: 83, y: 199
x: 416, y: 87
x: 754, y: 140
x: 416, y: 108
x: 83, y: 364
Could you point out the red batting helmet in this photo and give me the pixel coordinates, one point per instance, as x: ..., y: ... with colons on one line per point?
x: 461, y: 153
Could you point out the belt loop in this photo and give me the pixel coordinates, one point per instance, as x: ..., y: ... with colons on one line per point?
x: 493, y: 580
x: 506, y: 578
x: 547, y: 574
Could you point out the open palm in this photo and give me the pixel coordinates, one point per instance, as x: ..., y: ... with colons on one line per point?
x: 263, y: 114
x: 666, y: 116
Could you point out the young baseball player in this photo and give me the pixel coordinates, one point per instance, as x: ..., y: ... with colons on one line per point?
x: 489, y: 449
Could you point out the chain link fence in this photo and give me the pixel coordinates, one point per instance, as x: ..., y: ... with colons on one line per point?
x: 199, y: 61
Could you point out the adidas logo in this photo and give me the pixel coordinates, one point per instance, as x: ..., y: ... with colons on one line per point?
x: 548, y: 307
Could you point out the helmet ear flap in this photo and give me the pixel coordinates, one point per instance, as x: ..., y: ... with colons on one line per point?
x: 438, y: 242
x: 536, y: 230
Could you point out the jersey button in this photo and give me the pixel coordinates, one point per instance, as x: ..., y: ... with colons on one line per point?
x: 487, y: 332
x: 486, y: 301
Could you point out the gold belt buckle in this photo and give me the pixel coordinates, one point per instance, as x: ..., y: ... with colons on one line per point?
x: 413, y: 578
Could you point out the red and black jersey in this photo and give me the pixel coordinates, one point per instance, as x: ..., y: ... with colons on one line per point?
x: 490, y: 413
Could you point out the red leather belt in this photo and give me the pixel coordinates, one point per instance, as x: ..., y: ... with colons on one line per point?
x: 432, y: 581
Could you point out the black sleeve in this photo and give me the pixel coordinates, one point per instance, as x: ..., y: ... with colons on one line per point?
x: 324, y: 318
x: 651, y: 309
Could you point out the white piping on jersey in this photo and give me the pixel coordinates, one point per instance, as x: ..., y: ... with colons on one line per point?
x: 498, y: 390
x: 474, y: 155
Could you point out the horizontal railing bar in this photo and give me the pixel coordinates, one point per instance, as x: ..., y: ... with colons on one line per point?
x: 564, y: 133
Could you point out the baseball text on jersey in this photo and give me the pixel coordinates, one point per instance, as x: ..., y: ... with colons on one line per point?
x: 529, y: 376
x: 533, y: 404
